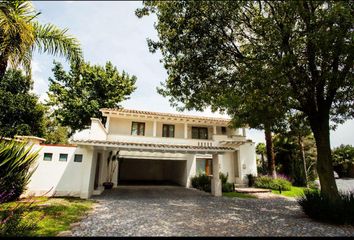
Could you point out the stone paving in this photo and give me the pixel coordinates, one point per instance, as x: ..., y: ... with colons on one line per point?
x: 177, y: 211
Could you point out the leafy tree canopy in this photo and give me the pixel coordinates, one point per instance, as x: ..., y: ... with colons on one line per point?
x: 77, y: 95
x: 294, y: 54
x: 20, y: 111
x: 343, y: 153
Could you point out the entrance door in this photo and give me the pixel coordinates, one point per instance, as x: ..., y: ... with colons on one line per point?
x: 97, y: 173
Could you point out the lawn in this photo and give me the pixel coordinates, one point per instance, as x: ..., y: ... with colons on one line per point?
x: 44, y: 216
x: 294, y: 192
x: 238, y: 195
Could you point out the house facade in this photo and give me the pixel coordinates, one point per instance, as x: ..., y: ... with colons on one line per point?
x: 152, y: 148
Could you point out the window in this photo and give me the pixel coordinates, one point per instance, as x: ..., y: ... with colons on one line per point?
x: 78, y: 158
x: 63, y: 157
x: 168, y: 130
x: 199, y: 133
x: 138, y: 128
x: 205, y: 166
x: 223, y: 130
x: 47, y: 156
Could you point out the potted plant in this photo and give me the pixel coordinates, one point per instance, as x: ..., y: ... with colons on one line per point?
x: 251, y: 180
x: 112, y: 162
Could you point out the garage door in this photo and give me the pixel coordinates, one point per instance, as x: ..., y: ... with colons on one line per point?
x: 147, y: 171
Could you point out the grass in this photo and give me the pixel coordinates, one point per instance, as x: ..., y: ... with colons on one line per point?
x: 238, y: 195
x: 52, y: 215
x: 294, y: 192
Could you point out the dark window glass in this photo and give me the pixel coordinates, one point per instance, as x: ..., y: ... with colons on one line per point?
x: 78, y: 158
x: 63, y: 157
x: 138, y: 128
x: 168, y: 130
x: 47, y: 156
x: 199, y: 133
x: 223, y: 130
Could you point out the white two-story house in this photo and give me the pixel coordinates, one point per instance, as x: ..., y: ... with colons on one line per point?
x: 153, y: 148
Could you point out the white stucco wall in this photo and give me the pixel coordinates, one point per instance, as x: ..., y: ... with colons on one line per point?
x: 61, y: 178
x: 248, y: 164
x: 97, y: 130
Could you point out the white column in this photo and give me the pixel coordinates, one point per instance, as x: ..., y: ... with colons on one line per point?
x: 154, y: 130
x: 214, y: 130
x: 88, y: 174
x: 185, y: 130
x: 244, y: 132
x: 216, y: 187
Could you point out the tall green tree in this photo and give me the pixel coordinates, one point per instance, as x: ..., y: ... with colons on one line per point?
x: 21, y: 35
x: 343, y: 160
x: 54, y: 132
x: 76, y: 96
x: 261, y: 150
x: 20, y: 111
x: 303, y: 50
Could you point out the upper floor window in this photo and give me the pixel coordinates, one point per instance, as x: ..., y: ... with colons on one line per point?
x: 168, y: 130
x: 199, y: 133
x: 138, y: 128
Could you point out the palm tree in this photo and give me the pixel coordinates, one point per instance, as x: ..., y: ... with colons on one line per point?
x: 261, y: 150
x: 21, y: 35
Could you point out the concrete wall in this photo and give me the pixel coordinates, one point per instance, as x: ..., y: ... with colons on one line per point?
x: 247, y: 159
x: 58, y: 177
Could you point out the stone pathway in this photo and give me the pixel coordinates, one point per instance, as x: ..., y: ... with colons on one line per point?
x: 177, y: 211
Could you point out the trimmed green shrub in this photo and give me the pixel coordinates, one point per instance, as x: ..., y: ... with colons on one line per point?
x: 15, y: 161
x: 223, y: 177
x: 251, y: 180
x: 319, y: 207
x: 270, y: 183
x: 227, y: 187
x: 201, y: 182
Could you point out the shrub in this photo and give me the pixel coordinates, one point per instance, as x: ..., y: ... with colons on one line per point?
x: 227, y: 187
x: 15, y: 162
x: 319, y: 207
x: 251, y: 180
x: 201, y: 182
x: 223, y: 177
x: 270, y: 183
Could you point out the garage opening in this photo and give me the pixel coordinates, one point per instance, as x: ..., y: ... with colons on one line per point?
x: 152, y: 172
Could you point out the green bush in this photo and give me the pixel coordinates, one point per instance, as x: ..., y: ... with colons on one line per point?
x: 15, y: 161
x: 223, y: 177
x: 270, y: 183
x: 319, y: 207
x: 227, y: 187
x: 201, y: 182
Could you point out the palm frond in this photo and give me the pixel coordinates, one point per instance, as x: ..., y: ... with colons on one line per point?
x: 55, y: 41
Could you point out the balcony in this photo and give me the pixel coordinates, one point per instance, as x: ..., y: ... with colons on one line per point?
x: 161, y: 140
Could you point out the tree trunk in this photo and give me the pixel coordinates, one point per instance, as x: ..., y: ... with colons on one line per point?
x: 302, y: 150
x: 263, y: 162
x: 320, y: 127
x: 270, y: 153
x: 3, y: 65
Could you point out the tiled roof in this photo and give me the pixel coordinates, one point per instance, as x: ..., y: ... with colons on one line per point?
x: 157, y: 146
x: 121, y: 110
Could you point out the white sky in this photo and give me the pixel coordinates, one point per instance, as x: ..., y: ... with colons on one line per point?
x: 110, y: 31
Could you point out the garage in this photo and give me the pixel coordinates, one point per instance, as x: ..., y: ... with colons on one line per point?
x: 152, y: 172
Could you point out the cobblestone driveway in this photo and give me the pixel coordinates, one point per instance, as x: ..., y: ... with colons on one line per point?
x: 177, y: 211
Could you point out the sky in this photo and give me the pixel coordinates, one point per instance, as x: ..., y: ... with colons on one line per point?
x: 110, y: 31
